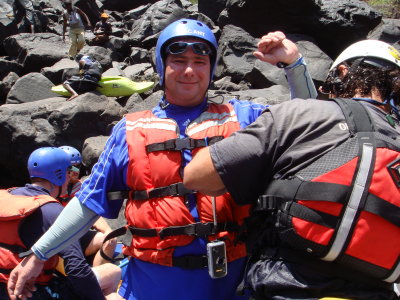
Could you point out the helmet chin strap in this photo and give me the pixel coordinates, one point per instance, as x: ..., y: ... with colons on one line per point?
x: 59, y: 191
x: 53, y: 186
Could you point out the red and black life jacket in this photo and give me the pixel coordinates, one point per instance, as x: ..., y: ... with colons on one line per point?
x: 345, y: 206
x: 156, y: 210
x: 13, y: 210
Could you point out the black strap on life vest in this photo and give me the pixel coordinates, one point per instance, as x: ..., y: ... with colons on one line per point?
x: 13, y: 248
x: 185, y: 143
x: 195, y: 229
x: 174, y: 190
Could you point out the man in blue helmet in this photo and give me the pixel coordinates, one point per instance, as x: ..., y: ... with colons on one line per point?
x: 48, y: 168
x: 172, y: 227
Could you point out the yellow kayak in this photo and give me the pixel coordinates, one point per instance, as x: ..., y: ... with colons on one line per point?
x: 113, y: 86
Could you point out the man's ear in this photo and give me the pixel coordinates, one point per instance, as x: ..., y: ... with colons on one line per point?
x: 342, y: 69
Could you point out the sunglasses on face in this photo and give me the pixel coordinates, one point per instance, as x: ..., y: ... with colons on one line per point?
x: 197, y: 47
x: 73, y: 169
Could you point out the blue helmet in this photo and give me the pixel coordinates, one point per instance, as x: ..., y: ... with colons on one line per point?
x: 49, y: 163
x: 73, y: 154
x: 184, y: 28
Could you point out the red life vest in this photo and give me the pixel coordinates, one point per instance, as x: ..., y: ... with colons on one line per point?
x: 72, y: 189
x: 13, y: 210
x: 156, y: 208
x: 345, y: 206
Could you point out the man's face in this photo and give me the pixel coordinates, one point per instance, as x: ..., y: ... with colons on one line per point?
x: 187, y: 76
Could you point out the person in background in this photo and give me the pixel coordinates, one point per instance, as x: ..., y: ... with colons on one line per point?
x: 94, y: 238
x: 90, y: 72
x: 143, y: 160
x: 102, y: 30
x: 72, y: 18
x: 28, y: 11
x: 324, y: 180
x: 36, y: 206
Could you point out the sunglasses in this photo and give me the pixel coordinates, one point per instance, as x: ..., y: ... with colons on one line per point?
x: 73, y: 169
x: 197, y: 47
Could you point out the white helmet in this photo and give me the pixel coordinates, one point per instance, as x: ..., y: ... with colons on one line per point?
x: 375, y: 50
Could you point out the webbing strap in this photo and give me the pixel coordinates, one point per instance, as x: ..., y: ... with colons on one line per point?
x: 180, y: 144
x: 13, y: 248
x: 357, y: 118
x: 308, y: 214
x: 199, y: 229
x: 195, y: 229
x: 5, y: 271
x: 113, y: 234
x: 176, y: 189
x: 383, y: 208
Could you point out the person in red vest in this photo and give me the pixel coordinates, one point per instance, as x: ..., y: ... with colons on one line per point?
x: 26, y: 213
x: 173, y: 228
x: 324, y: 181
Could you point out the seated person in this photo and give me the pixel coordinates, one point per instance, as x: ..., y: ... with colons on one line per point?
x: 102, y: 30
x: 34, y: 209
x: 90, y: 73
x: 93, y: 239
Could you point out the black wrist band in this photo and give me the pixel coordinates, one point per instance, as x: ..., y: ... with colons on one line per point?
x: 281, y: 65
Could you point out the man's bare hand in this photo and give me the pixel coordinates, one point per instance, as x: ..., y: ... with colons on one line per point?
x: 275, y: 47
x: 22, y: 278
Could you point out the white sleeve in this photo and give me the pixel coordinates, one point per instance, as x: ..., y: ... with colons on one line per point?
x: 73, y: 222
x: 300, y: 81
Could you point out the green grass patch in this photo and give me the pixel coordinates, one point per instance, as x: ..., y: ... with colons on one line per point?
x: 388, y: 8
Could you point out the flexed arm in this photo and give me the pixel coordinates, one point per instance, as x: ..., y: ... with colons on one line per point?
x: 276, y: 49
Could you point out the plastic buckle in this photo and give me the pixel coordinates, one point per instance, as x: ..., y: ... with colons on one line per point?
x: 280, y: 214
x: 394, y: 170
x: 181, y: 144
x: 266, y: 202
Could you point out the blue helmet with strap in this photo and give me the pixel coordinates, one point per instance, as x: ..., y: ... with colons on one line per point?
x: 184, y: 28
x: 73, y: 154
x: 49, y: 163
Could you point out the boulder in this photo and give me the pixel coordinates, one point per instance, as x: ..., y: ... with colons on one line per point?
x: 7, y: 24
x: 29, y: 88
x: 325, y: 20
x: 50, y: 122
x: 92, y: 148
x: 55, y: 72
x: 6, y: 85
x: 146, y: 29
x: 35, y: 51
x: 7, y: 66
x: 212, y: 9
x: 124, y: 5
x: 388, y: 31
